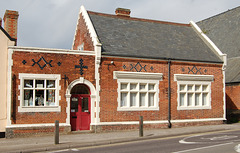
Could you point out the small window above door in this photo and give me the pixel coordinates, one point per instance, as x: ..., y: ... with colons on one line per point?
x: 80, y: 89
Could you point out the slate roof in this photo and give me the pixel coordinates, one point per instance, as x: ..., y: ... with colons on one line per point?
x: 224, y: 30
x: 233, y: 70
x: 133, y: 37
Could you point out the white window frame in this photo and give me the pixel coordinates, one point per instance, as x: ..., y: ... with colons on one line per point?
x: 29, y: 76
x: 138, y: 78
x: 188, y: 80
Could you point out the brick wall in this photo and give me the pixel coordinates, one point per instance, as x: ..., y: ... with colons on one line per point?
x: 233, y: 96
x: 11, y: 22
x: 109, y: 94
x: 63, y: 64
x: 83, y: 36
x: 233, y: 102
x: 34, y: 131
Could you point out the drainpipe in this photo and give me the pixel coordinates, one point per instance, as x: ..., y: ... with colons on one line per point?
x: 169, y: 93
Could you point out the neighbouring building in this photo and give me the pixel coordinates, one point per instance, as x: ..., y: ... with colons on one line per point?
x: 8, y: 37
x: 223, y: 29
x: 119, y: 68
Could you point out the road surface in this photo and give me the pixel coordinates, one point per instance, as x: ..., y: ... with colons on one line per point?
x: 214, y: 142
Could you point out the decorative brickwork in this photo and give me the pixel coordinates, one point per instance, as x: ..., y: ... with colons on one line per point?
x: 109, y: 94
x: 83, y: 36
x: 72, y: 67
x: 66, y: 69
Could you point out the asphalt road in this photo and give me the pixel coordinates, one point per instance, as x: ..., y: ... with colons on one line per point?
x: 215, y: 142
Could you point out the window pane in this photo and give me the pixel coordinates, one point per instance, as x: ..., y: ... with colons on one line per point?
x: 28, y: 83
x: 28, y: 98
x: 123, y: 99
x: 74, y: 104
x: 151, y: 86
x: 142, y: 86
x: 142, y: 99
x: 50, y: 98
x: 39, y: 84
x: 133, y: 99
x: 133, y: 86
x: 197, y: 87
x: 39, y: 97
x: 85, y: 104
x: 204, y: 87
x: 190, y: 95
x: 204, y: 98
x: 190, y: 87
x: 182, y: 87
x: 151, y: 99
x: 197, y: 99
x: 50, y: 83
x: 182, y: 99
x: 123, y: 86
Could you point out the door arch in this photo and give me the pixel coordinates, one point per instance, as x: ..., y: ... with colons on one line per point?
x: 78, y: 87
x: 80, y: 115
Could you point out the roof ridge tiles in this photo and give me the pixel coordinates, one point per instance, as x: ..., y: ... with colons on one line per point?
x: 139, y: 19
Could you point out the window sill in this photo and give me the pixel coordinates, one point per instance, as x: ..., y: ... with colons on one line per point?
x: 138, y: 109
x: 194, y: 108
x: 39, y: 109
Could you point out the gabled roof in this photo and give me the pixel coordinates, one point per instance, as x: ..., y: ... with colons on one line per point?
x: 224, y: 30
x: 133, y: 37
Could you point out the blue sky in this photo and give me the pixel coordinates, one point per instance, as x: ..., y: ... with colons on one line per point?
x: 52, y: 23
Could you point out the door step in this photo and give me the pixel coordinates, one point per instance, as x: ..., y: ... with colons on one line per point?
x: 82, y: 131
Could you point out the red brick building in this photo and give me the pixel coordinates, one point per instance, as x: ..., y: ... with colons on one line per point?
x: 119, y: 68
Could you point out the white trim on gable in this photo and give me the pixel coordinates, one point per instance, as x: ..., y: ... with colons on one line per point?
x: 218, y: 52
x: 89, y: 25
x: 209, y: 43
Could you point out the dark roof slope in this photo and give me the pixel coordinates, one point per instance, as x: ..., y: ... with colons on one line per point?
x: 143, y: 38
x: 223, y: 30
x: 233, y: 70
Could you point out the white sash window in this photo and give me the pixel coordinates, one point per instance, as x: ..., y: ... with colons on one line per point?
x: 39, y: 92
x: 137, y: 90
x: 194, y: 91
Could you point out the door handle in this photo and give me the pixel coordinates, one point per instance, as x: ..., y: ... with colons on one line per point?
x: 74, y: 116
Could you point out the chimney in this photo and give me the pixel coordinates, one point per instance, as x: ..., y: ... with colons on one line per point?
x: 10, y: 23
x: 123, y: 12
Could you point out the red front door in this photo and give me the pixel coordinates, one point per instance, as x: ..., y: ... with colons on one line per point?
x: 80, y: 112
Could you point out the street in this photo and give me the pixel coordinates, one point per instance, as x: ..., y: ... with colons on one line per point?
x: 224, y: 142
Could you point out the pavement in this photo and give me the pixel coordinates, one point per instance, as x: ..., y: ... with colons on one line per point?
x: 83, y: 139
